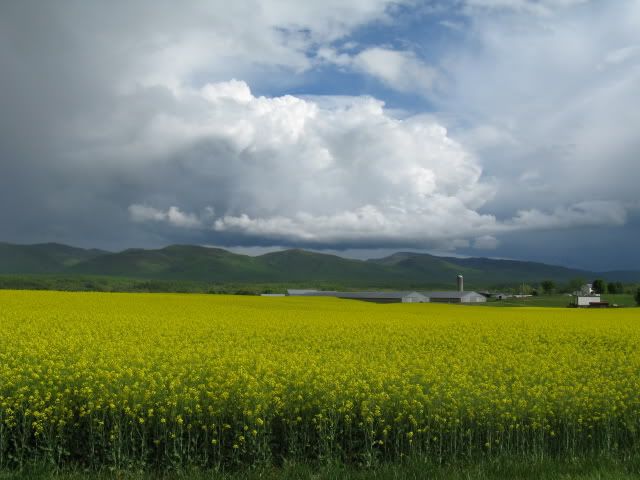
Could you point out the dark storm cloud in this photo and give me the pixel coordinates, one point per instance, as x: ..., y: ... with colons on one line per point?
x: 122, y: 126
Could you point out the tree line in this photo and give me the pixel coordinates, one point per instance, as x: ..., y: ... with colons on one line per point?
x: 550, y: 287
x: 599, y: 287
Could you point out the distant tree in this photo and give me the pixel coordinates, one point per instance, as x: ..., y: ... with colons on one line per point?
x: 548, y: 286
x: 526, y: 289
x: 637, y: 297
x: 599, y: 287
x: 575, y: 284
x: 615, y: 288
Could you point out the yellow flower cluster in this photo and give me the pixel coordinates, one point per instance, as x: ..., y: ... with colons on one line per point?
x: 165, y: 380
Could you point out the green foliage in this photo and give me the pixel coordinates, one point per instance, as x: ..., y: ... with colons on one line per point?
x: 526, y: 289
x: 548, y: 286
x: 637, y: 297
x: 615, y: 288
x: 200, y: 265
x: 42, y: 258
x: 557, y: 300
x: 575, y: 284
x: 599, y: 286
x: 500, y: 468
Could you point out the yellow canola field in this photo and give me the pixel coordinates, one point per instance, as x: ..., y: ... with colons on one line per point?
x: 169, y: 379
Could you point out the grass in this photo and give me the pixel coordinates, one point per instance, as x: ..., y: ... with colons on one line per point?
x: 498, y: 469
x: 97, y: 283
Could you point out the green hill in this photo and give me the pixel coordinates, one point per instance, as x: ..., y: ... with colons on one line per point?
x: 299, y: 266
x: 215, y: 265
x: 42, y: 258
x: 487, y: 271
x: 187, y: 262
x: 508, y: 271
x: 177, y: 262
x: 440, y: 271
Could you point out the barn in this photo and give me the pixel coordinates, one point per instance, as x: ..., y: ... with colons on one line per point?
x: 458, y: 296
x: 375, y: 297
x: 455, y: 297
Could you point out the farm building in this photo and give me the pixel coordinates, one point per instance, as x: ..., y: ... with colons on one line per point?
x: 376, y: 297
x: 496, y: 295
x: 459, y: 296
x: 587, y: 290
x: 455, y: 297
x: 396, y: 297
x: 589, y: 301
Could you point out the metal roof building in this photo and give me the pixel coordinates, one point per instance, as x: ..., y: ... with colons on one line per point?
x: 377, y: 297
x: 459, y: 296
x: 396, y: 297
x: 455, y: 297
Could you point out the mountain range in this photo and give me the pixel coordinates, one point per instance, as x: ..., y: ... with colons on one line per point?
x: 204, y: 264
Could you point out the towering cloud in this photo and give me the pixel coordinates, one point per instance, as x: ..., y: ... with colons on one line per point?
x: 315, y: 124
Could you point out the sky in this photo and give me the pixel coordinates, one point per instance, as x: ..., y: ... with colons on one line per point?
x: 495, y: 128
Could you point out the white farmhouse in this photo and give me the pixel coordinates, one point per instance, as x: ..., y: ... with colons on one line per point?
x: 586, y: 290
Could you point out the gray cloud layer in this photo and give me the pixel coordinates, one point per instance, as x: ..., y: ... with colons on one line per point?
x: 127, y: 125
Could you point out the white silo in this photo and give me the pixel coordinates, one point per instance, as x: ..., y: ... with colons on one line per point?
x: 460, y: 283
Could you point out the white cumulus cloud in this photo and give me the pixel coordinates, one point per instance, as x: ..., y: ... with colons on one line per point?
x: 400, y: 70
x: 286, y: 167
x: 347, y: 172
